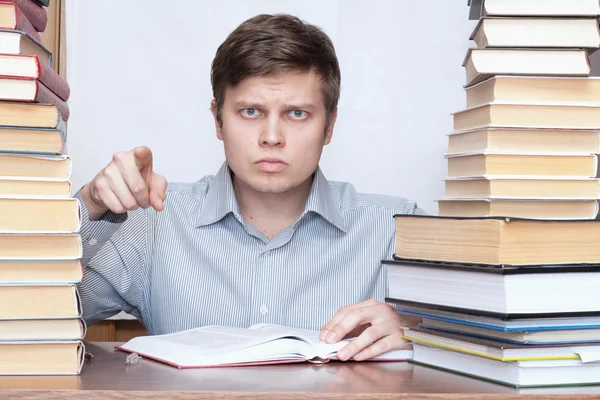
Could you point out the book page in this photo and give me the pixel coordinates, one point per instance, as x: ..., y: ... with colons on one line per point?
x: 319, y: 348
x: 282, y: 331
x: 218, y: 339
x: 218, y: 345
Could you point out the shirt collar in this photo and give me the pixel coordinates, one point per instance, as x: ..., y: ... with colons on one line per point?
x: 321, y: 201
x: 220, y: 200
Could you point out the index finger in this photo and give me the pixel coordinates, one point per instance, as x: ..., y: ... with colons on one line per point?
x: 135, y: 182
x: 142, y: 156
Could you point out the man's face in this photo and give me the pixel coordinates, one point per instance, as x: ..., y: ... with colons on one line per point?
x: 273, y: 130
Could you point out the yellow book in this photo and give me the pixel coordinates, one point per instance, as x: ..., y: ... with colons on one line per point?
x: 497, y: 350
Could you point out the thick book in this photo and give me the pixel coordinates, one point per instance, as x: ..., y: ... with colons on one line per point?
x: 35, y: 188
x: 536, y: 336
x: 33, y: 140
x: 29, y: 246
x: 533, y: 8
x: 35, y: 13
x: 213, y: 346
x: 531, y: 290
x: 40, y: 272
x: 523, y: 140
x: 42, y: 329
x: 15, y: 166
x: 532, y: 188
x: 11, y: 17
x: 32, y: 91
x: 496, y: 321
x: 41, y: 357
x: 39, y: 302
x: 529, y: 115
x: 39, y: 215
x: 550, y: 209
x: 534, y: 90
x: 19, y: 42
x: 506, y: 163
x: 537, y: 32
x: 534, y: 373
x: 483, y: 63
x: 497, y: 241
x: 498, y: 350
x: 31, y: 115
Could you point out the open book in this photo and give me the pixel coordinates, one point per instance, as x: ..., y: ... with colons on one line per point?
x: 212, y: 346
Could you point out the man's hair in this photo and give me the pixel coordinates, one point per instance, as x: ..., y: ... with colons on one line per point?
x: 270, y: 44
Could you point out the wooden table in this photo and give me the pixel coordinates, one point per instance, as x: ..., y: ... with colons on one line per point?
x: 107, y: 376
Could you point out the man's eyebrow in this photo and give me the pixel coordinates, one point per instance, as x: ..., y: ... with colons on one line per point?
x: 292, y: 106
x: 301, y: 106
x: 248, y: 104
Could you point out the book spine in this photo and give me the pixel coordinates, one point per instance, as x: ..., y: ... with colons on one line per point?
x: 23, y: 24
x: 35, y: 13
x: 46, y: 96
x: 53, y: 81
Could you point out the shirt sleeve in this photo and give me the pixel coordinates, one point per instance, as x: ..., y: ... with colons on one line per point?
x: 114, y: 260
x: 419, y: 211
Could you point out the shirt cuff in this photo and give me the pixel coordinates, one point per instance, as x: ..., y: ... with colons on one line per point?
x: 94, y: 234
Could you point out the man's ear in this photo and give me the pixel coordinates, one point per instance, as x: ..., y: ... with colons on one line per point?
x: 329, y: 131
x: 213, y: 110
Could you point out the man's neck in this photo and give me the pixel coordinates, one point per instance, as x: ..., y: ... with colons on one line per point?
x: 269, y: 212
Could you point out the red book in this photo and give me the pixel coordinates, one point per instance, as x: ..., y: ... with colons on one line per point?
x: 46, y: 96
x: 22, y: 66
x: 11, y: 17
x: 32, y: 91
x: 35, y: 13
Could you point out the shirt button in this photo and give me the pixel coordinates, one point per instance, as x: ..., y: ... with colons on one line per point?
x: 264, y: 309
x: 93, y: 242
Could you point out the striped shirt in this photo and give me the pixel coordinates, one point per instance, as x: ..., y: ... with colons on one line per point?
x: 199, y: 263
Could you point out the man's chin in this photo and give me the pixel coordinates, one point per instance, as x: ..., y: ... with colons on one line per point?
x: 269, y: 189
x: 271, y: 186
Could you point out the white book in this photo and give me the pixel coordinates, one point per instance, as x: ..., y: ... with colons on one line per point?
x: 520, y: 373
x: 522, y: 8
x: 483, y: 63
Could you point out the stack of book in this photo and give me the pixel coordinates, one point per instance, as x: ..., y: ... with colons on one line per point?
x: 40, y: 246
x: 507, y: 278
x: 526, y: 145
x: 518, y: 298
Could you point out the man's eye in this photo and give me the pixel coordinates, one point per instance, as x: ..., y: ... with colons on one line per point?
x: 298, y: 114
x: 250, y: 112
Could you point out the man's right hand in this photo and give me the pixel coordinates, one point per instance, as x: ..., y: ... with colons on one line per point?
x: 125, y: 184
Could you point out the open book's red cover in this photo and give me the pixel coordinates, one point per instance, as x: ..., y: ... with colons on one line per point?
x: 255, y: 363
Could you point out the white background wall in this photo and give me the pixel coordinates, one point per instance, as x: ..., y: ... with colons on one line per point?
x: 139, y: 74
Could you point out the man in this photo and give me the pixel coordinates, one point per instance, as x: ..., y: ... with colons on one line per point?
x: 268, y: 238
